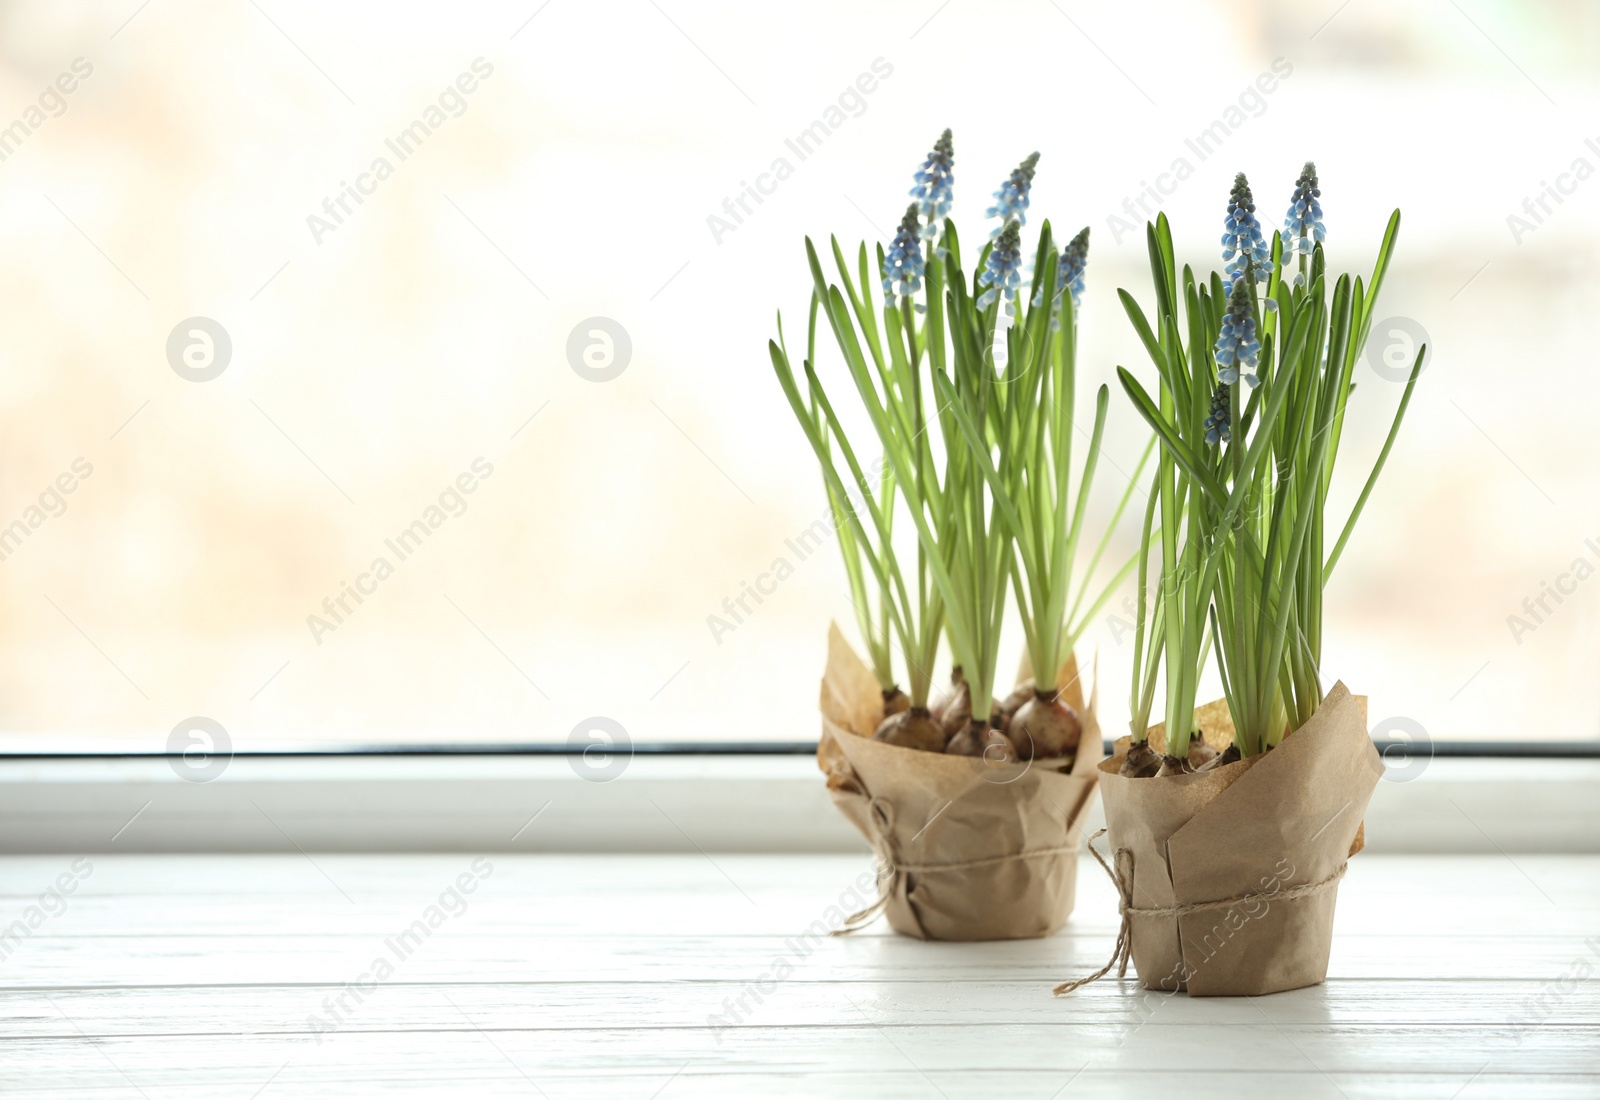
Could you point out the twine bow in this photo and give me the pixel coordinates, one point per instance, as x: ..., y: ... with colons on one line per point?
x: 882, y: 819
x: 1124, y: 945
x: 1122, y: 878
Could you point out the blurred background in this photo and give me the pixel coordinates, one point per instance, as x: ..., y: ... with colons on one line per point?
x: 389, y: 334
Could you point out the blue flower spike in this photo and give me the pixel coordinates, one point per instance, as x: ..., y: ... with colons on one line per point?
x: 1002, y: 274
x: 904, y: 265
x: 1243, y: 246
x: 935, y: 185
x: 1069, y: 277
x: 1011, y: 201
x: 1074, y: 259
x: 1302, y: 225
x: 1238, y: 349
x: 1217, y: 424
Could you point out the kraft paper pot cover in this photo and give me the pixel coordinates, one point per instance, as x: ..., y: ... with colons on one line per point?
x: 1228, y: 878
x: 967, y: 850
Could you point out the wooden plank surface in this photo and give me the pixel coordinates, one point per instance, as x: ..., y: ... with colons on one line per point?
x: 647, y: 976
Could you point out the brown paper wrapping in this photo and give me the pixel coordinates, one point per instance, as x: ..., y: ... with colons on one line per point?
x: 1267, y: 836
x: 967, y: 850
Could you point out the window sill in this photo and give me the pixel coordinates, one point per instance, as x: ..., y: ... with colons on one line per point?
x: 666, y: 803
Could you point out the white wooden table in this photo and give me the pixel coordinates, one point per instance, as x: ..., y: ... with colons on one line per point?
x: 599, y: 976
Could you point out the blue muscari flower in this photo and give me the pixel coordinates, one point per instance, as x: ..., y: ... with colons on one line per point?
x: 1069, y: 276
x: 1302, y: 225
x: 903, y: 265
x: 1237, y: 346
x: 1217, y: 424
x: 1003, y: 272
x: 1011, y: 201
x: 934, y: 184
x: 1243, y: 246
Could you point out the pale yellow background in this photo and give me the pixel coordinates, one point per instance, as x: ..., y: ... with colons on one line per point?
x: 425, y: 331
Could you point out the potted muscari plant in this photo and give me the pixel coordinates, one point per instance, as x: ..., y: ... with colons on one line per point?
x: 1230, y: 823
x: 967, y: 383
